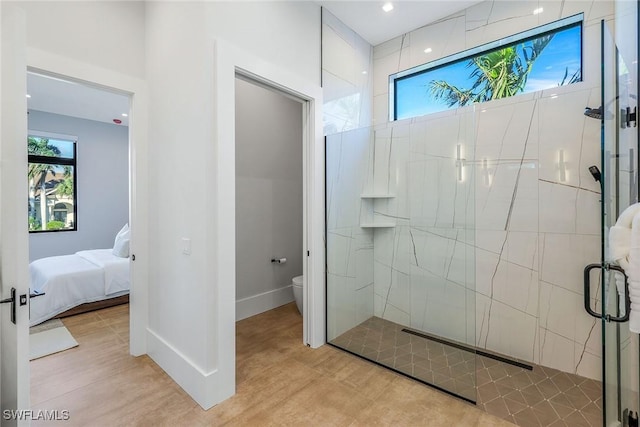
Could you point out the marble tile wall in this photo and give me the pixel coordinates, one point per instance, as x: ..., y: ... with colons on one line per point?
x: 349, y: 247
x: 487, y: 247
x: 347, y: 69
x: 508, y: 241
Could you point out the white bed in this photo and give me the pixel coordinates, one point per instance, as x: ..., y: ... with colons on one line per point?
x: 71, y: 280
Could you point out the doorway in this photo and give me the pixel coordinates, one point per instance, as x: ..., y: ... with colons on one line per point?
x: 79, y: 180
x: 95, y: 115
x: 269, y: 198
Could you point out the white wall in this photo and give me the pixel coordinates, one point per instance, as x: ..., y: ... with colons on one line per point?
x: 347, y: 77
x: 166, y: 50
x: 102, y: 184
x: 268, y: 197
x: 106, y: 34
x: 285, y: 34
x: 189, y: 331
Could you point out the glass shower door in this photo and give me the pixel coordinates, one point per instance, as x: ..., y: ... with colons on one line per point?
x: 619, y: 191
x: 400, y: 248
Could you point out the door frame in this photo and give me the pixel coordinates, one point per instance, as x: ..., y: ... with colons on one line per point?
x: 14, y: 336
x: 230, y: 60
x: 57, y: 66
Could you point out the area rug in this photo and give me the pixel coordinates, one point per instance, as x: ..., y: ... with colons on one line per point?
x: 48, y: 338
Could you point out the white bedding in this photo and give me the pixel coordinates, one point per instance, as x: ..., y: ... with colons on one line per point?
x: 71, y: 280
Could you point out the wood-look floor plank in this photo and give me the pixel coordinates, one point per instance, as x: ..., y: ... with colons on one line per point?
x: 279, y: 381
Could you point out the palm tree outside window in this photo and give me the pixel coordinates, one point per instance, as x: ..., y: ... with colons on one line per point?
x: 542, y: 58
x: 52, y: 189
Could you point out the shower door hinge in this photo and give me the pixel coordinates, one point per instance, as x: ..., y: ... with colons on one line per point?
x: 626, y: 117
x: 308, y: 253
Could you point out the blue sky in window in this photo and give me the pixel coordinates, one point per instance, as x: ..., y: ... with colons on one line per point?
x: 562, y: 53
x: 65, y: 147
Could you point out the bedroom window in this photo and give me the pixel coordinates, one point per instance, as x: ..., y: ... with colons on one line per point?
x: 52, y: 183
x: 541, y: 58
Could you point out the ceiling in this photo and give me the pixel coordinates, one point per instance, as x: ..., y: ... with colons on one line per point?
x: 376, y: 26
x: 54, y: 95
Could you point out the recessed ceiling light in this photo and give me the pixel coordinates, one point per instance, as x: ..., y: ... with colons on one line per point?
x: 364, y: 71
x: 388, y: 7
x: 554, y: 96
x: 28, y: 96
x: 538, y: 10
x: 428, y: 50
x: 125, y: 115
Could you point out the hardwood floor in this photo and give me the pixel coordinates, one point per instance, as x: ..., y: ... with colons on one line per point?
x: 279, y: 382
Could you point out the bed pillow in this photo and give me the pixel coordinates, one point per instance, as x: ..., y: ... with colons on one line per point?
x: 121, y: 243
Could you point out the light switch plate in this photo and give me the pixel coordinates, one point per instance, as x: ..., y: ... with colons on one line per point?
x: 186, y: 246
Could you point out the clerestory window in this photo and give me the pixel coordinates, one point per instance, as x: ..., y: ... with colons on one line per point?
x: 542, y: 58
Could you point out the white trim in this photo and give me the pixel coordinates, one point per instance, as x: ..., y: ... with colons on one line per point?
x: 230, y: 60
x: 14, y: 251
x: 256, y: 304
x: 185, y: 372
x: 51, y: 135
x: 69, y: 69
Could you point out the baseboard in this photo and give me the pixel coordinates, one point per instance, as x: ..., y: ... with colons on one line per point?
x: 206, y: 388
x: 256, y: 304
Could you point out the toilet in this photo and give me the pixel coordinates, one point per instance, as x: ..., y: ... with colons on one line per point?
x: 297, y: 291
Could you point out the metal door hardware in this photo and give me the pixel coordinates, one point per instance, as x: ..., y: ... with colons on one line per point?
x: 11, y: 300
x: 22, y: 299
x: 587, y: 293
x: 626, y: 117
x: 33, y: 294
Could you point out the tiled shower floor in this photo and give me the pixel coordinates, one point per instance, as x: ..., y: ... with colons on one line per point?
x: 538, y: 397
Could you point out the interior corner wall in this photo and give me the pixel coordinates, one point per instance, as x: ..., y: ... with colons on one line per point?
x: 268, y: 197
x: 347, y: 77
x: 347, y: 89
x: 102, y: 184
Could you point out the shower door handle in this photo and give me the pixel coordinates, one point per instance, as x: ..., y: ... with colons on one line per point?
x: 587, y: 289
x: 587, y: 293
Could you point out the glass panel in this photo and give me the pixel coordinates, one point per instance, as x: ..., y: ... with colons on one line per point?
x: 51, y: 197
x: 50, y: 147
x: 619, y: 164
x: 400, y: 248
x: 543, y: 58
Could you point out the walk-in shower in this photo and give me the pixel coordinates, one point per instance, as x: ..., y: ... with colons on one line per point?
x: 457, y: 240
x: 441, y: 255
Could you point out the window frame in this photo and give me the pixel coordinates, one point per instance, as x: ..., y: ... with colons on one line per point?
x: 524, y: 36
x: 58, y: 161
